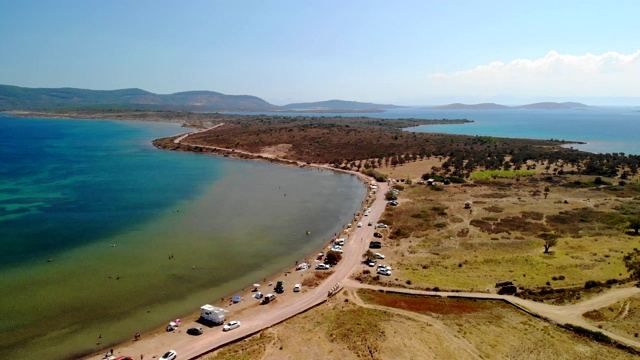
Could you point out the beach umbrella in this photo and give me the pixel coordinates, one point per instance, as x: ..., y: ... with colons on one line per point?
x: 237, y: 298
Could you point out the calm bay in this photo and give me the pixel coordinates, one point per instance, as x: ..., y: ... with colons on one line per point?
x: 136, y: 236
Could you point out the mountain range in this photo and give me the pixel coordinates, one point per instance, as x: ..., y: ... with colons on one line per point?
x: 494, y: 106
x: 21, y: 98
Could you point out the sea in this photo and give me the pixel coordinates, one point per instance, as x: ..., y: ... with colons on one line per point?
x: 601, y: 129
x: 103, y: 235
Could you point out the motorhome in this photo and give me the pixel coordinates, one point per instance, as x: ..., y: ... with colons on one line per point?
x: 214, y: 314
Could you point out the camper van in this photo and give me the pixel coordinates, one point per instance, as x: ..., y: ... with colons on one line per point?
x: 214, y: 314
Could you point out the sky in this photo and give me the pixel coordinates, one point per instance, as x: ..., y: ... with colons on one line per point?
x: 402, y: 52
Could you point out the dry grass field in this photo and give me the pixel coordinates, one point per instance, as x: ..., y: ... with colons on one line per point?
x: 385, y: 326
x: 433, y: 241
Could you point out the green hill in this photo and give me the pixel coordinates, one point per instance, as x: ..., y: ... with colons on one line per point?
x: 19, y: 98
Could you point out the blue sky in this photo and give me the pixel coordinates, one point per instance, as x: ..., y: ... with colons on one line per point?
x: 403, y: 52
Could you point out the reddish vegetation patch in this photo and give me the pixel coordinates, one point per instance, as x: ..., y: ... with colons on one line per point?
x: 494, y: 209
x: 533, y: 215
x: 424, y: 304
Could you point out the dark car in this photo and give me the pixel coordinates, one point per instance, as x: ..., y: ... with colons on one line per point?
x: 377, y: 234
x: 375, y: 245
x: 196, y: 330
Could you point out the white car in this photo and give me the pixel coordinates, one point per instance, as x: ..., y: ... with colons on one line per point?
x: 379, y: 256
x: 322, y: 267
x: 297, y: 288
x: 231, y: 325
x: 359, y: 225
x: 169, y: 355
x: 381, y: 226
x: 385, y: 272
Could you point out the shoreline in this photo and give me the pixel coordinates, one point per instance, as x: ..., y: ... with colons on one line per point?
x: 284, y: 273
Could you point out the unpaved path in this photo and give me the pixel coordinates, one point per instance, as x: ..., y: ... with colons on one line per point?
x: 180, y: 138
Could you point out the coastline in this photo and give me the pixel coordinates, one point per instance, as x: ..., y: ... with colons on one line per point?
x: 245, y: 292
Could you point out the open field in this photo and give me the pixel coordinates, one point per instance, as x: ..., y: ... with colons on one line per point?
x: 387, y: 326
x: 433, y: 241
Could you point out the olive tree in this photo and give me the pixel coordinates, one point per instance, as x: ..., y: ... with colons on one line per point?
x: 550, y: 240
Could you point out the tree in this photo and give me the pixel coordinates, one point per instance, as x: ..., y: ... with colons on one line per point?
x: 368, y: 255
x: 550, y: 240
x: 546, y: 191
x: 634, y: 223
x: 333, y: 257
x: 632, y: 262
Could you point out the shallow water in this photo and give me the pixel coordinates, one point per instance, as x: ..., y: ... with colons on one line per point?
x: 229, y: 219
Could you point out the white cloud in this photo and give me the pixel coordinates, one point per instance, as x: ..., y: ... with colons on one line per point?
x: 555, y: 74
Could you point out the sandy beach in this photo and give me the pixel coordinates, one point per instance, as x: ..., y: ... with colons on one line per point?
x: 253, y: 316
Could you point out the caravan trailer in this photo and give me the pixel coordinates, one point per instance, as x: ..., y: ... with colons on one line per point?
x: 214, y: 314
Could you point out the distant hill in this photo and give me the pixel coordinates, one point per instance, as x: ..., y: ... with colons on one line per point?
x: 492, y: 106
x: 337, y: 105
x: 553, y: 106
x: 483, y: 106
x: 19, y: 98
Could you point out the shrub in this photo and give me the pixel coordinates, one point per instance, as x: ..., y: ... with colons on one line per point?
x: 591, y: 284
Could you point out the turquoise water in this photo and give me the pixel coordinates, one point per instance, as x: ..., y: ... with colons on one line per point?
x: 604, y: 129
x: 109, y: 209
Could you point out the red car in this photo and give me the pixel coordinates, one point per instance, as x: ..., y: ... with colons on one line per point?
x: 124, y: 358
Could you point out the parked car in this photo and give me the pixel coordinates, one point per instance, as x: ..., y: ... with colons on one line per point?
x: 370, y: 223
x: 375, y: 245
x: 297, y: 288
x: 231, y: 325
x: 372, y: 262
x: 384, y: 267
x: 170, y: 355
x: 196, y: 330
x: 377, y: 235
x: 393, y: 203
x: 360, y: 225
x: 322, y: 267
x: 383, y: 271
x: 124, y: 358
x: 381, y: 226
x: 379, y: 256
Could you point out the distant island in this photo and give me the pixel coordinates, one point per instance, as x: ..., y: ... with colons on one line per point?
x: 494, y: 106
x: 35, y: 99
